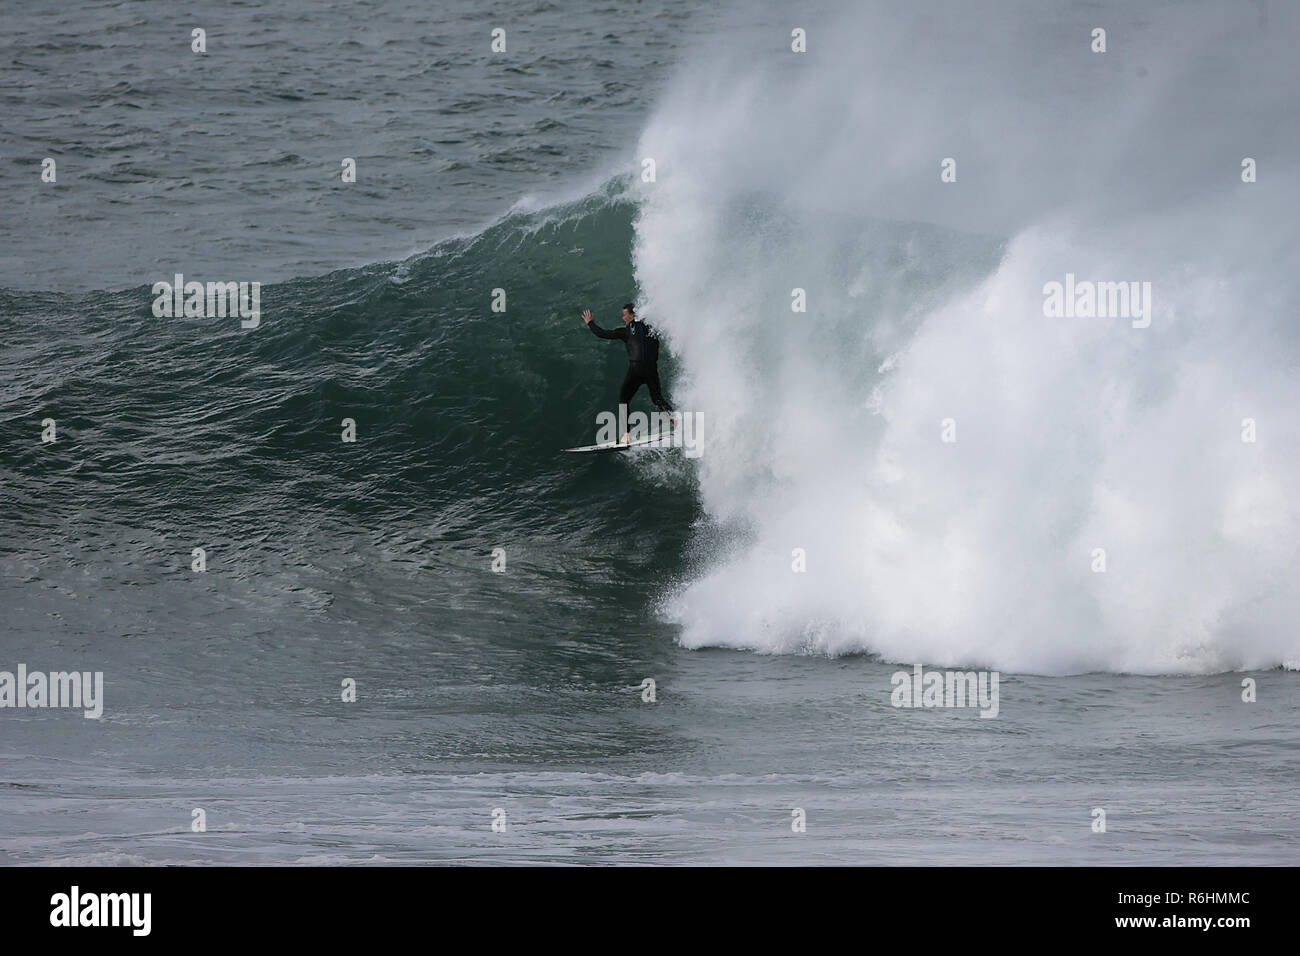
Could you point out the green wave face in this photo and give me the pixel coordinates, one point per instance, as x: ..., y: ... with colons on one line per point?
x: 173, y: 423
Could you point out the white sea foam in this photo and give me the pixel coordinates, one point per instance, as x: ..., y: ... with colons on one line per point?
x: 820, y: 171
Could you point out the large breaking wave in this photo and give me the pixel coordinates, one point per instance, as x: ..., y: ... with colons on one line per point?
x: 820, y: 171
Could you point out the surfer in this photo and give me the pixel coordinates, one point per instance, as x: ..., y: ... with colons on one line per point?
x: 642, y: 357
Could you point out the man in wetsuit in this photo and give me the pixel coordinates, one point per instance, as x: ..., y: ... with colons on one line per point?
x: 642, y: 357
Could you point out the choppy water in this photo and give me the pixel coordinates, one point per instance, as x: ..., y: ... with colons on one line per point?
x: 522, y: 690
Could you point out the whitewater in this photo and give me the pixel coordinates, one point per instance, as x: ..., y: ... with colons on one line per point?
x: 820, y: 174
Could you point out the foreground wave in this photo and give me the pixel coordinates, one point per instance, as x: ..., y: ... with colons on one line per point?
x: 922, y: 465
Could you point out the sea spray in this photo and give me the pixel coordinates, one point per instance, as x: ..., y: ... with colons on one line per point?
x: 948, y: 459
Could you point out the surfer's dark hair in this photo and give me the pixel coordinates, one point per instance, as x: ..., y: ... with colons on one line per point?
x: 627, y: 307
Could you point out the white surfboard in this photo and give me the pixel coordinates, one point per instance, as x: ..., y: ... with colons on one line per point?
x: 640, y: 444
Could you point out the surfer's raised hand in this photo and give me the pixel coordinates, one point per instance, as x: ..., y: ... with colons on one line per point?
x: 587, y: 316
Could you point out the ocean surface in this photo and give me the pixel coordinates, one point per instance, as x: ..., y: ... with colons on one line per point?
x: 905, y: 460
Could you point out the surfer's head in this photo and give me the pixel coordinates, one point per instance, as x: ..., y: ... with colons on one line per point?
x: 629, y: 313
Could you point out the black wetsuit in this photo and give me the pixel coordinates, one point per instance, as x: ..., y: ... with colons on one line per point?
x: 642, y: 360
